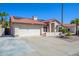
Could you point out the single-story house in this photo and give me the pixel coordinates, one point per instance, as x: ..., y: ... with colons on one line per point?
x: 26, y: 26
x: 33, y: 27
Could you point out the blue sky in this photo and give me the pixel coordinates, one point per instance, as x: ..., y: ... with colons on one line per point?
x: 42, y: 10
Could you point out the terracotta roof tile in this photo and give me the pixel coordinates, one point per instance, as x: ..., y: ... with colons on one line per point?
x: 69, y: 25
x: 26, y: 21
x: 51, y: 20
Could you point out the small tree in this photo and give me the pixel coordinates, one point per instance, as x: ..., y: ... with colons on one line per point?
x: 63, y: 29
x: 7, y: 24
x: 3, y: 15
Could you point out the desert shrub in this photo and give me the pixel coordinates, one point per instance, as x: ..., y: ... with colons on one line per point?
x: 63, y: 30
x: 69, y: 34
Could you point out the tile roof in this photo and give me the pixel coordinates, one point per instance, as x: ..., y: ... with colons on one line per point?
x: 69, y: 25
x: 25, y: 21
x: 51, y: 20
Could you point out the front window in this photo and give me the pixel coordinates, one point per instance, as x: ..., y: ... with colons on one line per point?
x: 45, y: 29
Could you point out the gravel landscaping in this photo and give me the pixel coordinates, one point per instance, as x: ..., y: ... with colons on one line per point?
x: 70, y: 39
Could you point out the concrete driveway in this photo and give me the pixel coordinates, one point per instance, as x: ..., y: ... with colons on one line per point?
x: 38, y: 46
x: 52, y: 46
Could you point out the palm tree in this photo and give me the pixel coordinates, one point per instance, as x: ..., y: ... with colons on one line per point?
x: 3, y: 15
x: 7, y: 24
x: 75, y: 21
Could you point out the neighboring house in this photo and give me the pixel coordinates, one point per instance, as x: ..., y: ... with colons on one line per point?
x: 71, y: 27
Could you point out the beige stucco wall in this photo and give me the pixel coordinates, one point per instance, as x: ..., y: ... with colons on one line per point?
x: 54, y: 26
x: 0, y: 30
x: 27, y: 30
x: 73, y: 29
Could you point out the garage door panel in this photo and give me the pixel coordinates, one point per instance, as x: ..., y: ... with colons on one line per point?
x: 29, y: 32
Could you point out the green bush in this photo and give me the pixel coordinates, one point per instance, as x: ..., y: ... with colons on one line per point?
x: 69, y: 34
x: 63, y: 30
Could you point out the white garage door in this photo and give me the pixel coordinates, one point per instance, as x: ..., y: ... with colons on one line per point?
x: 27, y: 30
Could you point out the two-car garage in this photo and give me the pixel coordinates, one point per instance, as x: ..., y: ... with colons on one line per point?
x: 27, y: 30
x: 26, y: 27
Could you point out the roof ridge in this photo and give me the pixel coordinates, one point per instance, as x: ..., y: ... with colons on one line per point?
x: 26, y: 20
